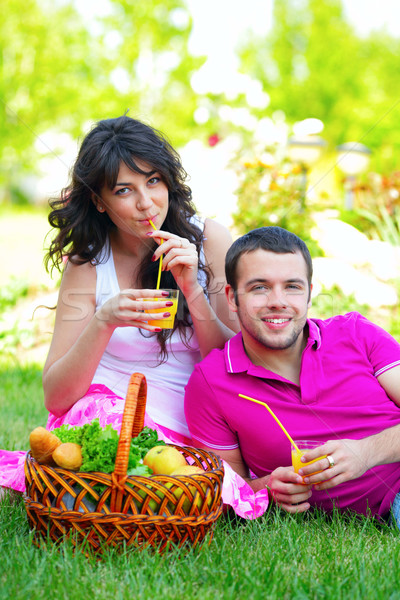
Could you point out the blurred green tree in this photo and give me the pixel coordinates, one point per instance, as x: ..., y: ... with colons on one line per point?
x: 58, y: 71
x: 313, y: 64
x: 47, y: 74
x: 151, y: 60
x: 273, y: 194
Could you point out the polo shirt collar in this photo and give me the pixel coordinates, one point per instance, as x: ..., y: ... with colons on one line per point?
x: 314, y: 334
x: 237, y: 361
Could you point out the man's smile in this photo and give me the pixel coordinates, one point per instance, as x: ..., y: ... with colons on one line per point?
x: 277, y: 321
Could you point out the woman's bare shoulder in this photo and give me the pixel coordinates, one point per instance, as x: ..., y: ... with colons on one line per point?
x: 216, y: 231
x: 217, y: 238
x: 217, y: 241
x: 79, y: 274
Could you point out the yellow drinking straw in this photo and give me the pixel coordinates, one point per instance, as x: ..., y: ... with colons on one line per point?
x: 275, y: 417
x: 160, y: 261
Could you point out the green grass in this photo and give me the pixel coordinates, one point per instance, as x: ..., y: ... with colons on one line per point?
x: 278, y: 556
x: 22, y: 407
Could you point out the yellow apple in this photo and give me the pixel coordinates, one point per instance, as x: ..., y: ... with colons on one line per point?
x: 153, y: 505
x: 187, y: 470
x: 197, y: 499
x: 163, y: 460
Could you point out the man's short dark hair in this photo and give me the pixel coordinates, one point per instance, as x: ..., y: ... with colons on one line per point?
x: 273, y: 239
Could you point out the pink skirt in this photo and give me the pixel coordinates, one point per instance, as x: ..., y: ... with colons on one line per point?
x: 102, y: 403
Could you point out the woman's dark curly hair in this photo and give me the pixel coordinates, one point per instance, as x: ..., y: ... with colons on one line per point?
x: 84, y: 231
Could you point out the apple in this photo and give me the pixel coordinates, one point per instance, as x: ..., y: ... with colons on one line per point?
x: 182, y: 470
x: 163, y: 460
x: 187, y: 470
x: 153, y: 505
x: 197, y: 498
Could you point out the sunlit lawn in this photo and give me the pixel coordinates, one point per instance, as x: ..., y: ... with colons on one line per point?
x: 277, y: 556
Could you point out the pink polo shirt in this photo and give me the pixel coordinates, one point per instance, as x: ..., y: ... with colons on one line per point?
x: 339, y: 396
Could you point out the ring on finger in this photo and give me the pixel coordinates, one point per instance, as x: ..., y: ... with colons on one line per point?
x: 331, y: 461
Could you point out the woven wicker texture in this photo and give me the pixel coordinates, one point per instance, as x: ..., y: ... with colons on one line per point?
x: 100, y: 510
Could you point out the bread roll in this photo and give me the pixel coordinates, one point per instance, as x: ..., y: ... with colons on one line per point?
x: 43, y: 443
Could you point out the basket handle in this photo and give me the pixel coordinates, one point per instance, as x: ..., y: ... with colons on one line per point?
x: 132, y: 425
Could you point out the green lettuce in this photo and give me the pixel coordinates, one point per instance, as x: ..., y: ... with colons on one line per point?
x: 99, y: 446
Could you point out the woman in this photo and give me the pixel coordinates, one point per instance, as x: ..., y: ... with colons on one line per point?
x: 127, y: 179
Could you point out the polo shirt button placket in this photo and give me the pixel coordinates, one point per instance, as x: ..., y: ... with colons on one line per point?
x: 311, y: 375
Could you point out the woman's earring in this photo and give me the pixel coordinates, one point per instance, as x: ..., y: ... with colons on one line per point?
x: 100, y: 208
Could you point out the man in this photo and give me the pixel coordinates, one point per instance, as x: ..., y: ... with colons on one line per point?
x: 334, y: 380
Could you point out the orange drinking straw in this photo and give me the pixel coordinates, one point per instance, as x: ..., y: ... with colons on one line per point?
x: 160, y: 262
x: 275, y: 417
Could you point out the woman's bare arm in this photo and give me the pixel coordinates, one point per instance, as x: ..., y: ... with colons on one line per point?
x: 81, y: 333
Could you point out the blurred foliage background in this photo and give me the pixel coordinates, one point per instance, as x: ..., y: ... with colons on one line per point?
x: 314, y: 62
x: 61, y: 69
x: 65, y: 64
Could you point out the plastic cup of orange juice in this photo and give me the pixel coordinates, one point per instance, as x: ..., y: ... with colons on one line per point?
x: 302, y: 447
x: 168, y: 322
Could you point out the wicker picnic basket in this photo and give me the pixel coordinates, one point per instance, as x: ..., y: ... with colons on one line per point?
x: 99, y: 510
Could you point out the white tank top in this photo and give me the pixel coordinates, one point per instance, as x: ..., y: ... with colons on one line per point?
x: 128, y: 351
